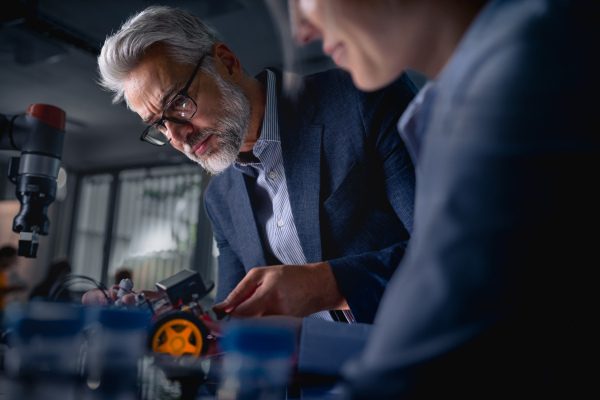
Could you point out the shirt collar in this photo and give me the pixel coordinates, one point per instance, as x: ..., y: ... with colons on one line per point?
x: 408, y: 125
x: 270, y: 128
x: 270, y: 125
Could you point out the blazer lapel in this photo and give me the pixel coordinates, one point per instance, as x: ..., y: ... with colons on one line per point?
x: 301, y: 149
x: 241, y: 210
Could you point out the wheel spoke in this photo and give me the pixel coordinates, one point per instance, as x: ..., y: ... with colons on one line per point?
x: 169, y: 333
x: 163, y: 348
x: 190, y: 348
x: 186, y: 332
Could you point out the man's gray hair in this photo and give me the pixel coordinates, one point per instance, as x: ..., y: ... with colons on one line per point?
x: 184, y: 36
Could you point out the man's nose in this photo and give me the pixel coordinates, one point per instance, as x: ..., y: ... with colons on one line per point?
x: 179, y: 132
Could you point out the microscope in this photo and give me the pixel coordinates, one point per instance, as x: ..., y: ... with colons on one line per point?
x: 38, y: 135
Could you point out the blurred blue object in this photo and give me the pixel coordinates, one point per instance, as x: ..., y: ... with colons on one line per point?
x: 44, y: 359
x: 258, y: 360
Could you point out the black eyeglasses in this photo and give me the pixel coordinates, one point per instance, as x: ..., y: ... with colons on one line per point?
x: 180, y: 110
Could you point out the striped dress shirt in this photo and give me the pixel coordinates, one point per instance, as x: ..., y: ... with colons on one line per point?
x: 269, y: 192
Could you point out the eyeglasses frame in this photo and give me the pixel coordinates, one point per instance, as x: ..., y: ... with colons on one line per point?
x: 182, y: 92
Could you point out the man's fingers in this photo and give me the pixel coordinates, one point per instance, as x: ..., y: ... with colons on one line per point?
x: 129, y: 299
x: 234, y: 299
x: 95, y: 297
x: 242, y: 291
x: 254, y: 306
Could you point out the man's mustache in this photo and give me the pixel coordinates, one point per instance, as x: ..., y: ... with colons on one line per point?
x: 198, y: 137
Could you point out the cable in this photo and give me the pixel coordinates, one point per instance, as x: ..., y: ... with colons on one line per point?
x: 63, y: 284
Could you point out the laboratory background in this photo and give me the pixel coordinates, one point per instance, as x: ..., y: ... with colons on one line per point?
x: 120, y: 203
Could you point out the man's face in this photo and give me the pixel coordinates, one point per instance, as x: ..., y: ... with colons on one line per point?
x: 214, y: 136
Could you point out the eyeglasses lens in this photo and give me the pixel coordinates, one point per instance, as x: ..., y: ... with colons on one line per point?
x: 157, y: 135
x: 181, y: 109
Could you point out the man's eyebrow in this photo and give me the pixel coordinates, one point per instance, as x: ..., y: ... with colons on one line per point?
x: 165, y: 98
x: 147, y: 121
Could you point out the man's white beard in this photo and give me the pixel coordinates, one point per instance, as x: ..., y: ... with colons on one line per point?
x: 229, y: 134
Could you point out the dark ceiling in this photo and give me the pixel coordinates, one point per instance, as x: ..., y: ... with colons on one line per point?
x: 48, y: 55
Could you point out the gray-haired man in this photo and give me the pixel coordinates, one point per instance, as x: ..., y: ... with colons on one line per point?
x: 312, y: 206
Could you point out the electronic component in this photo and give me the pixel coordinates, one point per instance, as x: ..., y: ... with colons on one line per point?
x: 39, y: 136
x: 181, y: 287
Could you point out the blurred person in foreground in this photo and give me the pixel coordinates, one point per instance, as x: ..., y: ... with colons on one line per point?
x: 311, y: 202
x: 9, y: 281
x: 496, y: 295
x: 57, y: 271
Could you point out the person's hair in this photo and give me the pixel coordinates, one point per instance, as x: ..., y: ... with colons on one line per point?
x: 7, y: 256
x: 8, y: 251
x: 183, y: 37
x: 123, y: 273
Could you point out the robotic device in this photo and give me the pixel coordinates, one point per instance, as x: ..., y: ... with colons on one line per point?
x: 176, y: 327
x: 39, y: 136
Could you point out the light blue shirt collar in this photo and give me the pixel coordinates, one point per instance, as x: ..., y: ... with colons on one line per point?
x: 410, y: 126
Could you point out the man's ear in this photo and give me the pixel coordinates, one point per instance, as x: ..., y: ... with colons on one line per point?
x: 227, y: 63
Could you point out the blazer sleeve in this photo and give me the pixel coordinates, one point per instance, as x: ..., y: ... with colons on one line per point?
x: 500, y: 266
x: 362, y: 278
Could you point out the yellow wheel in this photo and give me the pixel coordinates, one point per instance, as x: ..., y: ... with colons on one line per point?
x: 178, y: 333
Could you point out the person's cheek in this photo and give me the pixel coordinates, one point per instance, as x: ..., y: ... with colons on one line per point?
x: 307, y: 7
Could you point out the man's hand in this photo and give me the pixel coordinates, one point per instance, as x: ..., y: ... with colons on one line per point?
x: 97, y: 297
x: 294, y: 290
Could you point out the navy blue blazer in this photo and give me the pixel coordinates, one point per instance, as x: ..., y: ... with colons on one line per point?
x: 350, y: 182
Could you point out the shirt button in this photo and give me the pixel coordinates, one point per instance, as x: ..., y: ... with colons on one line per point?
x: 272, y: 174
x: 280, y: 223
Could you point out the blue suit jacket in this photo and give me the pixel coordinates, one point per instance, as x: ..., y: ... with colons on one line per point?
x: 496, y: 296
x: 350, y: 182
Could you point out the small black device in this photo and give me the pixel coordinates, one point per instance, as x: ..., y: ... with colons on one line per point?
x: 182, y: 287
